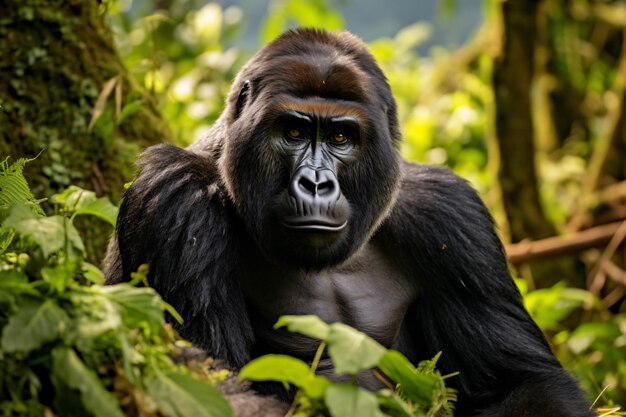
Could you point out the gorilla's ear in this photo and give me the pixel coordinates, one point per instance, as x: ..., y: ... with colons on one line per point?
x: 243, y: 97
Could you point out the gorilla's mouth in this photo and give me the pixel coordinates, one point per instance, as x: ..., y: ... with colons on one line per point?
x: 314, y: 223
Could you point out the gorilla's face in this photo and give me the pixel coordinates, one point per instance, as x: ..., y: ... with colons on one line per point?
x: 309, y: 159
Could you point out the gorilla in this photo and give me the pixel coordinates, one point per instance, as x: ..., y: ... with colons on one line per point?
x: 297, y: 202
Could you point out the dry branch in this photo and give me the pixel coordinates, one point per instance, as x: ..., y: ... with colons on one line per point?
x: 556, y: 246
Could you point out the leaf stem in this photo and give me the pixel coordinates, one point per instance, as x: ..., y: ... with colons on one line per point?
x: 318, y: 356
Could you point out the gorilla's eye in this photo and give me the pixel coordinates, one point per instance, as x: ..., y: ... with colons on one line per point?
x: 294, y: 134
x: 339, y: 138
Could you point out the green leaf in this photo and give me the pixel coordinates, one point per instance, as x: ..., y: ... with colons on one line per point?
x: 95, y: 314
x: 352, y: 351
x: 57, y: 276
x: 393, y: 405
x: 135, y: 305
x: 583, y: 337
x: 550, y: 306
x: 14, y: 188
x: 128, y: 110
x: 67, y: 367
x: 347, y: 400
x: 92, y: 273
x: 34, y: 324
x: 13, y: 284
x: 6, y: 237
x: 310, y: 325
x: 285, y: 369
x: 178, y: 395
x: 412, y: 384
x: 74, y: 198
x: 101, y: 208
x: 280, y: 368
x: 47, y: 232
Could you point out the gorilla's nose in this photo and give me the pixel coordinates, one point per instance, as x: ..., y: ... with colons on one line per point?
x: 310, y: 184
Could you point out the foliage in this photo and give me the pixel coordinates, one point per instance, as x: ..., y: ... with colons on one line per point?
x: 179, y: 55
x: 411, y: 391
x: 55, y: 57
x: 594, y: 349
x: 70, y: 345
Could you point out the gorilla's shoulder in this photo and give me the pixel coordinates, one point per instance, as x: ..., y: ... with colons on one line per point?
x: 169, y: 168
x: 435, y: 194
x: 170, y: 159
x: 429, y: 181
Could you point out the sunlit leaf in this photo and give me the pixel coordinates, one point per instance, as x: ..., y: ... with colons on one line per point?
x: 102, y: 208
x: 352, y: 351
x: 347, y: 400
x: 308, y: 325
x: 135, y: 305
x: 416, y: 386
x: 285, y: 369
x: 92, y: 273
x: 74, y: 198
x: 48, y: 232
x: 177, y: 395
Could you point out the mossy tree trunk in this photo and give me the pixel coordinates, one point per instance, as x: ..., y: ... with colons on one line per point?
x: 512, y: 80
x: 55, y: 58
x: 513, y: 73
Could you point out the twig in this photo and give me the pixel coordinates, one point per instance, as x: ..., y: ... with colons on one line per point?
x: 561, y: 245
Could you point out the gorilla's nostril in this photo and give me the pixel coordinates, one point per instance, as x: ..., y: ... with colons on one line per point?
x: 308, y: 185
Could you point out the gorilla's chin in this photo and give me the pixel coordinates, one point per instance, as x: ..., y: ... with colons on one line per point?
x: 306, y: 245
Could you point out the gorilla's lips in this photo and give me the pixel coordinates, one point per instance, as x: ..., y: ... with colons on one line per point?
x: 314, y: 223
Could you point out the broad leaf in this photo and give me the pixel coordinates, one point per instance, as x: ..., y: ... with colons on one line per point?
x: 352, y: 351
x: 78, y: 201
x: 135, y: 305
x: 48, y: 232
x: 413, y: 385
x: 34, y: 324
x: 57, y: 276
x: 92, y: 273
x: 67, y: 367
x: 347, y: 400
x: 280, y: 368
x: 102, y: 208
x: 13, y: 284
x: 311, y: 326
x: 95, y: 314
x: 74, y: 198
x: 285, y: 369
x: 177, y: 395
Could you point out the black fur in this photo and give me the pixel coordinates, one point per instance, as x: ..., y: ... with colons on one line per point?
x: 205, y: 220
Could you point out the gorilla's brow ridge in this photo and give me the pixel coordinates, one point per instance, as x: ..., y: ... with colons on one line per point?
x: 324, y: 108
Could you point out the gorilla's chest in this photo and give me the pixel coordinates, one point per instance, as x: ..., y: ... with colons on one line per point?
x: 369, y: 292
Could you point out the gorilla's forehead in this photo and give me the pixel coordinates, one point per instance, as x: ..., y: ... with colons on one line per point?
x: 323, y: 75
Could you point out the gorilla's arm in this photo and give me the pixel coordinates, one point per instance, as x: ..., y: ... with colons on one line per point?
x: 175, y: 218
x: 468, y: 306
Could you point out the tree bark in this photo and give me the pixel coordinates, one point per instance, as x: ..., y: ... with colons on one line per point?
x: 512, y: 78
x: 55, y: 58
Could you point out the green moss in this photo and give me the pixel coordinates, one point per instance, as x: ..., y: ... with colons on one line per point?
x: 55, y: 57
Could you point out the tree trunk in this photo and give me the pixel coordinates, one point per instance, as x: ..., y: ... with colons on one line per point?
x: 513, y: 73
x: 55, y: 58
x: 512, y: 79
